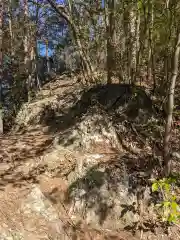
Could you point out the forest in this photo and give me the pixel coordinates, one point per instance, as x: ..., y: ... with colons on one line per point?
x: 89, y: 119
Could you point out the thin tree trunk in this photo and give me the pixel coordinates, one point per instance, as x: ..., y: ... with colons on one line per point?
x: 25, y: 34
x: 170, y: 106
x: 152, y: 47
x: 111, y: 38
x: 1, y: 65
x: 150, y: 44
x: 31, y: 69
x: 47, y: 56
x: 10, y: 28
x: 27, y: 60
x: 133, y: 50
x: 138, y: 21
x: 38, y: 82
x: 142, y: 40
x: 125, y: 55
x: 167, y: 50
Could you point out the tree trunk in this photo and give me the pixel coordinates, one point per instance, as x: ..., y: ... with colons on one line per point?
x: 25, y: 34
x: 151, y: 64
x: 133, y: 49
x: 10, y: 28
x: 111, y: 37
x: 142, y: 40
x: 170, y: 106
x: 47, y: 57
x: 37, y: 79
x: 27, y: 62
x: 1, y: 65
x: 138, y: 21
x: 125, y: 55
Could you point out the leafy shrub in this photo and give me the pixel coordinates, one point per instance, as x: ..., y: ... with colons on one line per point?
x: 168, y: 208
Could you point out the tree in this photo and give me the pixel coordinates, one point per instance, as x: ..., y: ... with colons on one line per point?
x: 170, y: 106
x: 67, y: 14
x: 1, y: 64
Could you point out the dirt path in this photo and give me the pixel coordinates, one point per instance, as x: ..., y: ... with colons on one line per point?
x: 17, y: 151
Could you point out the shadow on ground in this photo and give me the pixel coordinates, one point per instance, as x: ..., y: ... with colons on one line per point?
x: 120, y: 102
x: 17, y: 151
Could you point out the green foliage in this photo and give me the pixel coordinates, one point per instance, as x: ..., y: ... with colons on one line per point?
x: 168, y: 208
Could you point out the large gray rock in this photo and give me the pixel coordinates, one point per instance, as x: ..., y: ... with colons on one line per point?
x: 102, y: 196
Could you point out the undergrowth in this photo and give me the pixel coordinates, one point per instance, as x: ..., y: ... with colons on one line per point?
x: 168, y: 208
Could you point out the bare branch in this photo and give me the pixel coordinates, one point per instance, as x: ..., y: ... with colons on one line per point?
x: 60, y: 10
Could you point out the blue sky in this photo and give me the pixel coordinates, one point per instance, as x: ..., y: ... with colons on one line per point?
x: 42, y: 50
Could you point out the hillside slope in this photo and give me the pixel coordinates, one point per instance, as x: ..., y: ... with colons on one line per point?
x: 75, y: 163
